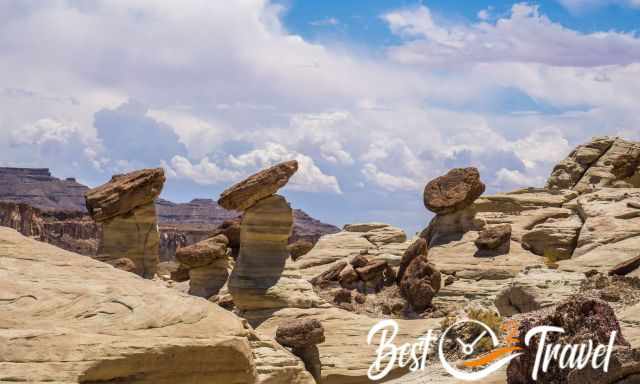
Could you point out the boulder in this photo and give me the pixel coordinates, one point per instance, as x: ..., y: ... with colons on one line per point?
x: 124, y: 193
x: 582, y: 319
x: 300, y: 333
x: 417, y: 248
x: 626, y: 267
x: 263, y: 184
x: 203, y: 253
x: 330, y: 274
x: 420, y: 283
x: 299, y: 248
x: 454, y: 191
x: 494, y: 237
x: 67, y: 318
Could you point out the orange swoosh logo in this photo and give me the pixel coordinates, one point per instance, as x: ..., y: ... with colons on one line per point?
x: 489, y: 357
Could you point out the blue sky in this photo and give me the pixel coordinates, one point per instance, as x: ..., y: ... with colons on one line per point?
x: 372, y: 98
x: 359, y: 22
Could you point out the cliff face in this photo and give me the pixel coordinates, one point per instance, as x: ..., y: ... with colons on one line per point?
x: 53, y: 210
x: 73, y: 231
x: 36, y: 187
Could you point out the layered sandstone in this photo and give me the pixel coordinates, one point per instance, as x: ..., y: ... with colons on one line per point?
x: 125, y: 207
x: 70, y: 319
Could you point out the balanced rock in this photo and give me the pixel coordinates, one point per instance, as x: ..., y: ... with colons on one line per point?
x: 302, y: 336
x: 494, y: 237
x: 231, y: 230
x: 264, y: 233
x: 125, y: 207
x: 420, y: 283
x: 581, y: 318
x: 208, y: 265
x: 258, y: 186
x: 124, y: 193
x: 459, y: 188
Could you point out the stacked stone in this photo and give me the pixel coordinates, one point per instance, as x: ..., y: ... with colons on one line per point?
x: 449, y: 197
x: 265, y: 228
x: 208, y: 265
x: 125, y: 208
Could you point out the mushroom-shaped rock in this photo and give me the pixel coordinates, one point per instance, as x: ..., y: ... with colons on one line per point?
x: 257, y: 187
x: 494, y: 237
x: 302, y: 336
x: 125, y: 207
x: 420, y: 283
x: 208, y: 265
x: 459, y: 188
x: 124, y: 193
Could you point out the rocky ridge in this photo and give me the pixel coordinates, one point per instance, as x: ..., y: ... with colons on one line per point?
x: 58, y: 215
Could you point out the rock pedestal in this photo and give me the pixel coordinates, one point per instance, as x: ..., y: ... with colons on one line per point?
x: 125, y: 207
x: 133, y: 236
x: 264, y: 233
x: 208, y: 265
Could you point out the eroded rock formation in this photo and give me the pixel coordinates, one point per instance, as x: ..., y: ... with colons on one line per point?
x: 125, y: 208
x: 67, y: 318
x: 207, y: 263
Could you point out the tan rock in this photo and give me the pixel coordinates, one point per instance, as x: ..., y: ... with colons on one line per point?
x: 124, y: 193
x: 556, y: 238
x: 386, y: 235
x: 537, y: 288
x: 345, y: 355
x: 258, y: 186
x: 568, y: 172
x: 68, y: 318
x: 207, y: 280
x: 618, y: 164
x: 264, y: 233
x: 134, y: 236
x: 364, y: 227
